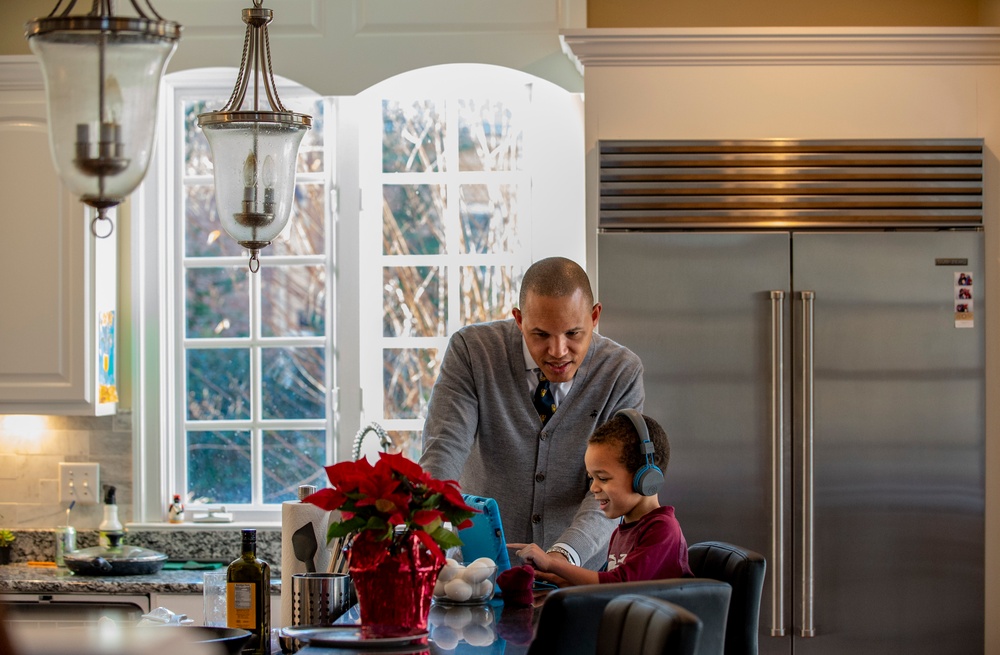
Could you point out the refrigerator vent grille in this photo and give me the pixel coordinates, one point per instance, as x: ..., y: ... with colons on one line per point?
x: 780, y: 183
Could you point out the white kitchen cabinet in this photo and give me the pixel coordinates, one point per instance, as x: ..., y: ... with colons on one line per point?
x: 193, y: 605
x: 58, y: 286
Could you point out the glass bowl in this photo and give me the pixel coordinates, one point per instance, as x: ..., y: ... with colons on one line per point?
x: 461, y: 584
x: 452, y: 625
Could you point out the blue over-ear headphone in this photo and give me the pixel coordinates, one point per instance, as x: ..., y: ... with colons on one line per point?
x: 649, y: 477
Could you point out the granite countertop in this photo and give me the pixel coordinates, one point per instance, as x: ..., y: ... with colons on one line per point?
x: 21, y: 578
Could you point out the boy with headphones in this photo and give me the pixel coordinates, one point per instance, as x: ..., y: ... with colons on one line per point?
x: 625, y: 460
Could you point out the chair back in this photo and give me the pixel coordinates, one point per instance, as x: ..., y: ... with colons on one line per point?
x: 570, y: 617
x: 643, y: 625
x: 744, y: 571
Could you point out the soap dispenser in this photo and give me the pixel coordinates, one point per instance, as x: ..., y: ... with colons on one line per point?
x: 110, y: 531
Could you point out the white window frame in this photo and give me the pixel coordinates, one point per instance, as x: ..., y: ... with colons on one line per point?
x: 552, y: 208
x: 354, y: 357
x: 159, y: 454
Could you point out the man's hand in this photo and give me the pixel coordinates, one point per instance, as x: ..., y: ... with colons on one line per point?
x: 556, y: 550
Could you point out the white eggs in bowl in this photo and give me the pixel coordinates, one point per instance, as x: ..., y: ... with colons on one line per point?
x: 454, y: 624
x: 470, y: 583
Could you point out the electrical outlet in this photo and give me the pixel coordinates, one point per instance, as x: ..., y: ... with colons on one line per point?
x: 79, y: 482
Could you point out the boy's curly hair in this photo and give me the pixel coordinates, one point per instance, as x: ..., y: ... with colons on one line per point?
x: 619, y: 430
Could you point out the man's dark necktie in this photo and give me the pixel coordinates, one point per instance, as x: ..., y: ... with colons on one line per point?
x: 544, y: 402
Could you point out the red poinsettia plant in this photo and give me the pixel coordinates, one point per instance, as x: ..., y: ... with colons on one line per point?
x: 392, y: 500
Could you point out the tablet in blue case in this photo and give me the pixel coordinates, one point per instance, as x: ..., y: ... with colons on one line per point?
x: 485, y: 537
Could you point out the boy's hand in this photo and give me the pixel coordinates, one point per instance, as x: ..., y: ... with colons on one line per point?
x: 552, y: 578
x: 532, y: 554
x: 553, y: 567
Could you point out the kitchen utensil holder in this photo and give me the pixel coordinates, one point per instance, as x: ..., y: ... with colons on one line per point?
x: 319, y: 598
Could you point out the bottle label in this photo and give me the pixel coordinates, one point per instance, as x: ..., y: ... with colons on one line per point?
x: 241, y: 605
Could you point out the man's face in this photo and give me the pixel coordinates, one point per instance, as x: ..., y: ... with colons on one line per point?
x: 558, y: 331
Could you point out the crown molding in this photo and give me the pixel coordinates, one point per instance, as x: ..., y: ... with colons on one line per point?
x: 780, y: 46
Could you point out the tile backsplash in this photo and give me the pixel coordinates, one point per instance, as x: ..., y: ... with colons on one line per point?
x: 29, y: 469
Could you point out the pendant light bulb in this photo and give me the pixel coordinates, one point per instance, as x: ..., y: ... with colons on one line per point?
x: 114, y: 102
x: 268, y: 178
x: 249, y: 182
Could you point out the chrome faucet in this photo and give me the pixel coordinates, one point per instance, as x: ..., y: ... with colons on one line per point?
x: 384, y: 441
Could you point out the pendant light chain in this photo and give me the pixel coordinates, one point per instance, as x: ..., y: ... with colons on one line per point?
x: 272, y: 93
x: 254, y: 151
x: 233, y: 104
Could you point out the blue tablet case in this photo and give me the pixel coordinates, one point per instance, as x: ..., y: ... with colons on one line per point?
x: 485, y: 537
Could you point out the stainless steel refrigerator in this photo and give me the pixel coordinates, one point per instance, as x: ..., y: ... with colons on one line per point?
x: 823, y: 392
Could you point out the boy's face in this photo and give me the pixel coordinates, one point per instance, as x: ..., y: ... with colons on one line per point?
x: 611, y: 483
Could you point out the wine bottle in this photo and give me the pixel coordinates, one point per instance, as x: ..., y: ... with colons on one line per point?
x: 248, y: 596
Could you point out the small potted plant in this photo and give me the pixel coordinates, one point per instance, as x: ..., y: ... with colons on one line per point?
x: 393, y: 514
x: 6, y: 539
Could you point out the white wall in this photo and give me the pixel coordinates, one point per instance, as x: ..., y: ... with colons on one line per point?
x: 341, y: 47
x: 810, y: 84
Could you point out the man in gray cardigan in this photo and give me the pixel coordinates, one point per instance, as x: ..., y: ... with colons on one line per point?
x: 483, y: 429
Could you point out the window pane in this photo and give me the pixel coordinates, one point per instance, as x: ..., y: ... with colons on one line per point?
x: 489, y: 218
x: 488, y: 136
x: 197, y: 153
x: 488, y: 292
x: 414, y: 300
x: 413, y: 136
x: 203, y: 233
x: 218, y: 465
x: 292, y: 384
x: 293, y: 301
x: 311, y: 149
x: 217, y: 302
x: 305, y: 232
x: 413, y: 219
x: 408, y: 375
x: 292, y: 458
x: 218, y: 384
x: 406, y: 442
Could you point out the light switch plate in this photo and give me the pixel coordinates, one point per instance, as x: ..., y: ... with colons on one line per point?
x: 80, y: 482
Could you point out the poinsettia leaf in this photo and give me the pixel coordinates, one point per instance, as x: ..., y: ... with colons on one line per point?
x: 446, y: 538
x: 376, y: 523
x: 328, y: 499
x: 344, y: 528
x: 426, y: 517
x: 434, y: 500
x: 409, y: 469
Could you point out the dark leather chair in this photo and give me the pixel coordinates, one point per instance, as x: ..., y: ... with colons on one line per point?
x: 744, y: 571
x: 643, y: 625
x: 570, y: 617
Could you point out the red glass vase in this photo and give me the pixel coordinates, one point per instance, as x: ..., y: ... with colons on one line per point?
x: 394, y: 581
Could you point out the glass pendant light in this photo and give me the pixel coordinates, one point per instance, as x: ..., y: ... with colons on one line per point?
x: 254, y: 151
x: 102, y: 78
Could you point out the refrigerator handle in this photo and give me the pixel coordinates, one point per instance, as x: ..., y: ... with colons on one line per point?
x: 808, y: 624
x: 777, y: 465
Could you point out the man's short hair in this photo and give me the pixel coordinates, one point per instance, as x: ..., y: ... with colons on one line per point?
x: 620, y: 430
x: 555, y: 277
